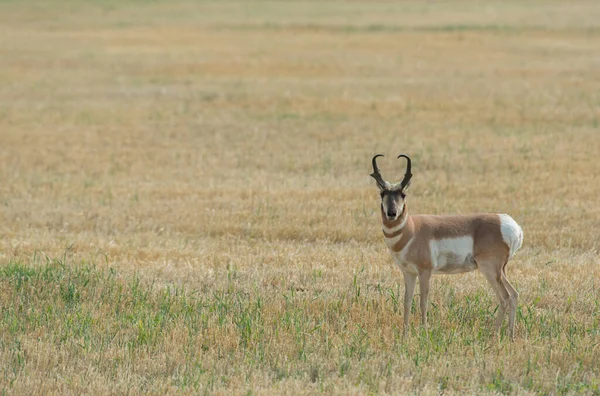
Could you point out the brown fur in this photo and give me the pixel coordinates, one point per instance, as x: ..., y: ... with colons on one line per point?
x: 485, y: 229
x: 490, y: 255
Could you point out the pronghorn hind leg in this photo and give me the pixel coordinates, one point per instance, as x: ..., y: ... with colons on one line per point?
x: 410, y: 280
x: 492, y: 270
x: 514, y: 298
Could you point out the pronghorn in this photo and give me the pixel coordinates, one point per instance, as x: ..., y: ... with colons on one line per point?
x: 422, y: 245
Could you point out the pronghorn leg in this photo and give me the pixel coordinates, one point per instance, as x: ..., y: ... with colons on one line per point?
x: 424, y: 278
x: 410, y: 281
x: 514, y: 297
x: 493, y: 273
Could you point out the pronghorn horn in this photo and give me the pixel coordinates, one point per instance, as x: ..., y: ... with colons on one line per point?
x: 376, y: 174
x: 407, y: 174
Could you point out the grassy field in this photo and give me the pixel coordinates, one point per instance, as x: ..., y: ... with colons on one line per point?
x: 185, y: 200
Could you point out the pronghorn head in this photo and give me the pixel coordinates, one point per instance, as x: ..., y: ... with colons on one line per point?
x: 392, y: 195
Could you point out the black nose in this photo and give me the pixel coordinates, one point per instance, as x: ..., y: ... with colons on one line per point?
x: 391, y: 214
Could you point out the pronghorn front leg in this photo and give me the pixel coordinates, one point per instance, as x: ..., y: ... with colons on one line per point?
x: 410, y: 280
x: 424, y: 277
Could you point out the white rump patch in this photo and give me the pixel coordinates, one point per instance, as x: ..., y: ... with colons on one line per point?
x: 452, y: 255
x: 511, y: 233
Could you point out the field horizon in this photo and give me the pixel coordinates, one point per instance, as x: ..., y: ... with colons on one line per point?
x: 186, y: 207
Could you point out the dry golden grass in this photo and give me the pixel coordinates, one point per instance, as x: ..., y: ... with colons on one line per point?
x: 196, y: 174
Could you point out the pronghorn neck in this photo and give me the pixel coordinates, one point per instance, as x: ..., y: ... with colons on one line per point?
x: 398, y: 233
